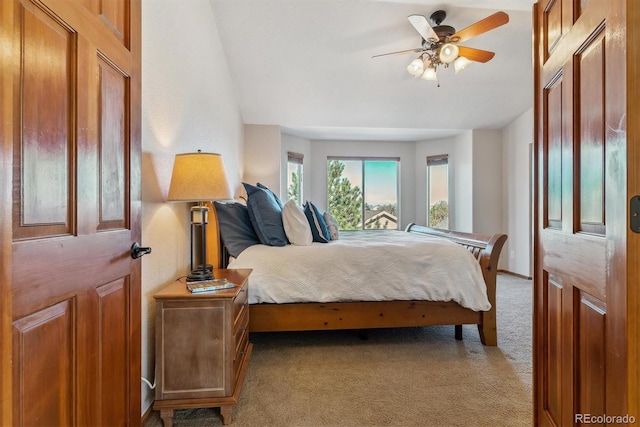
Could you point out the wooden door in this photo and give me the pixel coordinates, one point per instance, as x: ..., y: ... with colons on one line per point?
x: 586, y: 257
x: 71, y: 132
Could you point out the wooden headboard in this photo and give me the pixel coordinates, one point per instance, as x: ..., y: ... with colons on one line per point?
x: 214, y: 242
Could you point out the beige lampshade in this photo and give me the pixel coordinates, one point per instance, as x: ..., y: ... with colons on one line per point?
x: 198, y: 177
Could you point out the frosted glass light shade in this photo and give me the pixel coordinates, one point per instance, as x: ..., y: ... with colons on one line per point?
x: 460, y: 64
x: 448, y: 53
x: 198, y: 177
x: 416, y: 67
x: 430, y: 74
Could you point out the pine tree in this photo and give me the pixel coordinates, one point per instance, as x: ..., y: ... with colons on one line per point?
x: 293, y: 188
x: 344, y: 200
x: 439, y: 214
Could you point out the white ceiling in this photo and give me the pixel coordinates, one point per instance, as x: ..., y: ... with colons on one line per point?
x: 306, y: 66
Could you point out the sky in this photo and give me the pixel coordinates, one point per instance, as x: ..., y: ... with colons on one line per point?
x: 382, y: 180
x: 381, y: 185
x: 439, y: 179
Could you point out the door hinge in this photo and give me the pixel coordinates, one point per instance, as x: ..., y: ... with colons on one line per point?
x: 634, y: 214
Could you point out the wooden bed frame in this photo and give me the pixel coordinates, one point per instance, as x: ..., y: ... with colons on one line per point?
x: 391, y: 314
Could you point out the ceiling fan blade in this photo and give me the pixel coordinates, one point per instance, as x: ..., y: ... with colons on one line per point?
x: 480, y: 27
x: 422, y: 26
x: 477, y: 55
x: 398, y: 52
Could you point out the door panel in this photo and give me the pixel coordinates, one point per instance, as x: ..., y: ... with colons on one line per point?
x: 112, y: 334
x: 591, y: 360
x: 553, y: 197
x: 553, y: 343
x: 45, y: 377
x: 114, y: 13
x: 114, y: 146
x: 75, y: 291
x: 552, y: 21
x: 580, y: 280
x: 43, y: 152
x: 589, y: 78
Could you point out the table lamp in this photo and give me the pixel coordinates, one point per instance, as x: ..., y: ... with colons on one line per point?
x: 199, y: 177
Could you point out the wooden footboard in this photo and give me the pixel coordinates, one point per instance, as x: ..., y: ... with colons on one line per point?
x: 390, y: 314
x: 486, y: 249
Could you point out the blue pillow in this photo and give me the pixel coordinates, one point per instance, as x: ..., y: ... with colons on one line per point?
x: 319, y: 229
x: 235, y: 226
x: 266, y: 216
x: 264, y: 187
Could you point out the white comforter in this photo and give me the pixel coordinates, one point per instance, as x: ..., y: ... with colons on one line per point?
x: 365, y: 266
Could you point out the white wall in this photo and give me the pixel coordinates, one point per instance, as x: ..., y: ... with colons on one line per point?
x: 320, y: 150
x: 517, y: 141
x: 463, y: 185
x: 187, y: 104
x: 302, y: 146
x: 262, y: 151
x: 487, y: 181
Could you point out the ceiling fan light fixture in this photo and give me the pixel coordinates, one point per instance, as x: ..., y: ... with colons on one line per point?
x: 416, y: 67
x: 448, y: 53
x: 460, y: 64
x: 430, y: 74
x: 439, y: 45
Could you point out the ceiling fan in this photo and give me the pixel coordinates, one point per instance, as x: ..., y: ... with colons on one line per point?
x: 440, y: 44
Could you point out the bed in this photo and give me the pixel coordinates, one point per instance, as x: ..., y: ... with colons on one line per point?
x: 269, y: 315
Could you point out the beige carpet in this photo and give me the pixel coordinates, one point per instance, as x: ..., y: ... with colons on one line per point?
x: 396, y: 377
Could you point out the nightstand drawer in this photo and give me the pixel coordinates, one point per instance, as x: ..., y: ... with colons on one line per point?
x: 240, y: 301
x: 241, y: 350
x: 240, y: 316
x: 240, y: 329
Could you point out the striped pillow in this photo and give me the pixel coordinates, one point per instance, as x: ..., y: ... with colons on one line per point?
x: 318, y: 225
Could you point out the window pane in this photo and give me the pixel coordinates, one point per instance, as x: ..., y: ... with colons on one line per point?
x: 438, y: 189
x: 294, y: 182
x: 344, y: 194
x: 358, y: 189
x: 381, y: 194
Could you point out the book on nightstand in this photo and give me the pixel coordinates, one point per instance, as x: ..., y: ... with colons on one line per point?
x: 209, y: 285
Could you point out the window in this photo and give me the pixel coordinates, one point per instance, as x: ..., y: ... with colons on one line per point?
x: 362, y: 193
x: 294, y: 177
x: 438, y: 191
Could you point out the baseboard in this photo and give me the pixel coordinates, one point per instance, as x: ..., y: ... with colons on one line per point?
x: 147, y: 414
x: 522, y: 276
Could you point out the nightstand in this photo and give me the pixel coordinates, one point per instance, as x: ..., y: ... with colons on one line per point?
x: 202, y: 346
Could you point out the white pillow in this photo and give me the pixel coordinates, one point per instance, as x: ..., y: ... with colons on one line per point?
x: 296, y: 226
